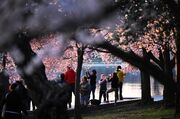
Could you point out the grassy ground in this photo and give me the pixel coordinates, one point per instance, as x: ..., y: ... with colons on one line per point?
x: 154, y: 111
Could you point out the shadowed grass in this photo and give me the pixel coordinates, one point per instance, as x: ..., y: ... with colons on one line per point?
x: 147, y: 112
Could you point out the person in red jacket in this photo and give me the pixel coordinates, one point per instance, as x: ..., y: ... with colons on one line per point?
x: 70, y: 76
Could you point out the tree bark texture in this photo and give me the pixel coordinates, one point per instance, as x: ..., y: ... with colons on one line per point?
x: 178, y: 77
x: 169, y: 95
x: 77, y: 111
x: 145, y: 83
x: 49, y: 97
x: 174, y: 7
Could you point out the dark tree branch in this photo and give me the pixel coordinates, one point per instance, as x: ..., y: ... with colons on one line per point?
x: 152, y: 57
x: 98, y: 49
x: 140, y: 63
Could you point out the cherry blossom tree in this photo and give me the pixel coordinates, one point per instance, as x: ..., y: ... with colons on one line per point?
x: 32, y: 19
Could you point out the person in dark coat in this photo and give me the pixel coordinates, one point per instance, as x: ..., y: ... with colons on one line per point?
x: 114, y: 86
x: 14, y: 104
x: 24, y: 93
x: 92, y: 77
x: 103, y: 87
x: 4, y: 86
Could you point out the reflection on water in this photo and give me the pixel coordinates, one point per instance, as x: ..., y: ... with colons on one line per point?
x: 134, y: 89
x: 131, y: 90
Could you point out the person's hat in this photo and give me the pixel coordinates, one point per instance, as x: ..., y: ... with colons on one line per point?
x: 119, y: 67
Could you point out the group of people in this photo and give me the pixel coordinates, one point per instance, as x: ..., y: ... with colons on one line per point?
x: 17, y: 100
x: 88, y: 85
x: 116, y: 80
x: 70, y: 77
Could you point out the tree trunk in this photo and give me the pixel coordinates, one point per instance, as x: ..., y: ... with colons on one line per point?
x: 174, y: 9
x: 178, y: 76
x: 4, y: 60
x: 50, y: 98
x: 77, y: 112
x: 145, y: 83
x: 33, y: 74
x: 168, y: 95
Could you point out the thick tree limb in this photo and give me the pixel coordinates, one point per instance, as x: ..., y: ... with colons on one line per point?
x: 157, y: 61
x: 140, y: 63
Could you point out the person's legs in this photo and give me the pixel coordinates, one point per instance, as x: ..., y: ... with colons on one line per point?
x: 70, y: 97
x: 93, y: 88
x: 100, y: 95
x: 107, y: 93
x: 86, y: 100
x: 82, y: 100
x: 73, y: 89
x: 104, y: 95
x: 116, y: 94
x: 120, y: 90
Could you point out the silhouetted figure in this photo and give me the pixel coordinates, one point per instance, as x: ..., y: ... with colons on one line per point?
x: 14, y: 105
x: 114, y: 86
x: 92, y: 76
x: 4, y: 85
x: 103, y: 87
x: 62, y: 83
x: 4, y: 82
x: 23, y: 92
x: 120, y: 75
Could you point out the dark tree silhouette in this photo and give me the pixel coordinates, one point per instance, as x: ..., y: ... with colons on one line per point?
x: 18, y: 32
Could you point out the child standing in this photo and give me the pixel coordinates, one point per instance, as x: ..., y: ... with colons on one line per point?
x: 84, y: 91
x: 103, y: 87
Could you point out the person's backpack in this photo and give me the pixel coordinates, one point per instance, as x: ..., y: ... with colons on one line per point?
x: 95, y: 102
